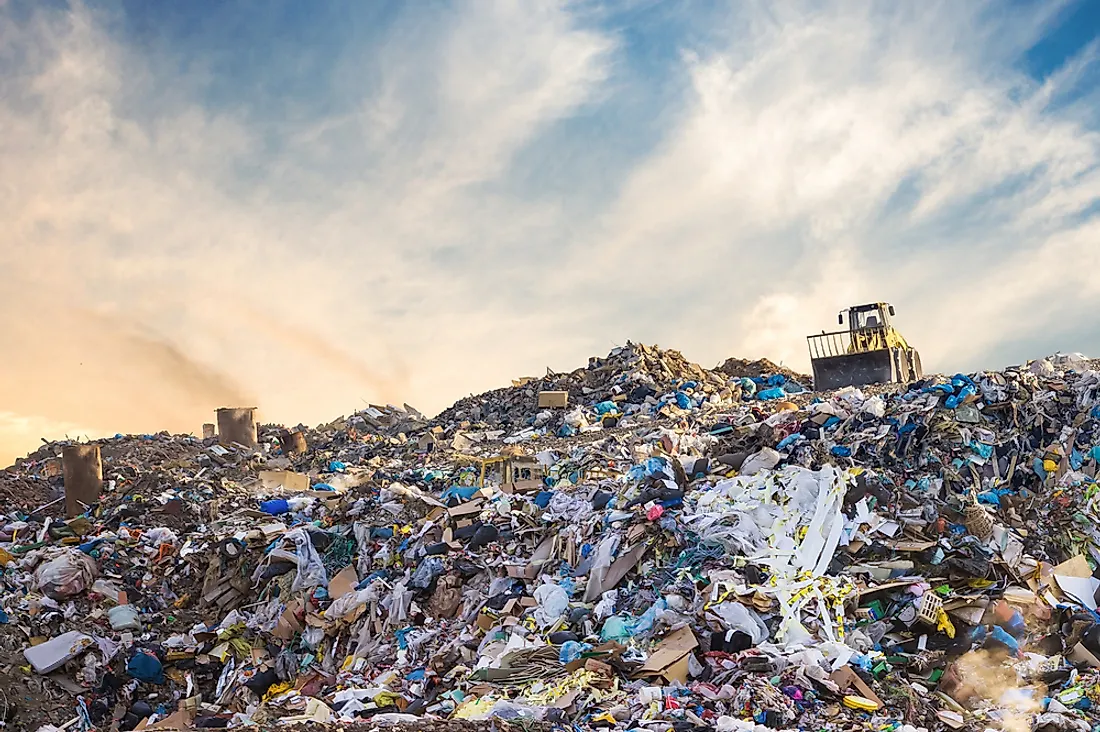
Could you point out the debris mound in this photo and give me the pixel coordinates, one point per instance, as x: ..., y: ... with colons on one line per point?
x: 629, y: 374
x: 638, y: 544
x: 742, y: 368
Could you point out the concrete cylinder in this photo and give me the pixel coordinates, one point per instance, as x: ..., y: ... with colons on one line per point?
x: 82, y: 472
x: 209, y: 431
x: 237, y: 424
x: 293, y: 443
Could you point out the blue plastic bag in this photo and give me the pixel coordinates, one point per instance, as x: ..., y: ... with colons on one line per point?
x: 773, y: 393
x: 572, y: 651
x: 275, y: 506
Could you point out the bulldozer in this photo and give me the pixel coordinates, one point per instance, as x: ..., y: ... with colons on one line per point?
x: 870, y: 351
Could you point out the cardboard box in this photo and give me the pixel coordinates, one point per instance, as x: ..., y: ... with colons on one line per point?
x: 284, y: 480
x: 669, y: 660
x: 553, y: 399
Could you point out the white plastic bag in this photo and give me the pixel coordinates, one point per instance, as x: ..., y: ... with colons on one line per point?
x: 736, y: 616
x: 766, y: 459
x: 311, y: 570
x: 553, y: 602
x: 67, y: 574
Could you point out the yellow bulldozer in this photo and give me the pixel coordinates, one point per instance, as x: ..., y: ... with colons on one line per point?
x: 870, y: 351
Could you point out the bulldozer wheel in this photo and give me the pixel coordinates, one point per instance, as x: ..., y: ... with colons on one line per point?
x: 914, y: 360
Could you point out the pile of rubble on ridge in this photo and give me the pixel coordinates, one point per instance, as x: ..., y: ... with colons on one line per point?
x: 742, y: 368
x: 664, y: 548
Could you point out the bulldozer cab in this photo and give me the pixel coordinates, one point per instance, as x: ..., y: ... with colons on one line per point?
x: 867, y: 316
x: 870, y: 328
x: 869, y: 351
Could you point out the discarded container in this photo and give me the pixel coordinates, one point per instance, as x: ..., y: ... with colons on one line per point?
x: 553, y: 399
x: 293, y: 443
x: 237, y: 425
x: 83, y: 476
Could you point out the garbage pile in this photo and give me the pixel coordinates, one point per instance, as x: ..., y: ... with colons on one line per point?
x: 901, y: 557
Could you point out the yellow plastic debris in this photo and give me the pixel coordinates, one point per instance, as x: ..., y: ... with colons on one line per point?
x: 860, y: 702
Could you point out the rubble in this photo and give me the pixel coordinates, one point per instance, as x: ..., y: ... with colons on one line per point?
x: 665, y: 547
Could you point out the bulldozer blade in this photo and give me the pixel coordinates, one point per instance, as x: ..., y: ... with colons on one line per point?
x: 855, y: 369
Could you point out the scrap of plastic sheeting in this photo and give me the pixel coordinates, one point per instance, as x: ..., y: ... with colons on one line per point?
x: 606, y: 605
x: 823, y: 534
x: 553, y: 602
x: 396, y: 718
x: 736, y: 616
x: 311, y: 570
x: 1075, y: 579
x: 744, y: 512
x: 875, y: 406
x: 601, y: 562
x: 766, y: 459
x: 397, y: 605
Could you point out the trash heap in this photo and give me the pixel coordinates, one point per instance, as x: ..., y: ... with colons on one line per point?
x: 670, y: 548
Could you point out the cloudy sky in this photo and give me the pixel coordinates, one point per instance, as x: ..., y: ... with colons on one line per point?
x: 309, y: 206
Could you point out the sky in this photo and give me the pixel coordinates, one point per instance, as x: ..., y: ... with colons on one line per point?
x: 312, y: 206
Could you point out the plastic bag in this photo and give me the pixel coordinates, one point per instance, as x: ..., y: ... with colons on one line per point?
x: 124, y: 617
x: 159, y: 535
x: 553, y: 603
x: 572, y: 651
x: 426, y: 573
x: 875, y: 406
x: 736, y: 616
x: 575, y: 419
x: 616, y: 628
x: 66, y: 575
x: 312, y: 637
x: 311, y: 570
x: 766, y: 459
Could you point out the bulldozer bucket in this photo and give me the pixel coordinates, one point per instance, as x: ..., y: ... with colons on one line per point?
x: 855, y: 369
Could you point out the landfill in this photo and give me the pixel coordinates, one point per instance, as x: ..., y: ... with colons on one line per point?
x: 639, y: 544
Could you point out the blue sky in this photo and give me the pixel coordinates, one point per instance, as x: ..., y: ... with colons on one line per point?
x: 312, y: 206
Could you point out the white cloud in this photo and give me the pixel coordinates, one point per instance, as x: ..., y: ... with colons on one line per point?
x: 166, y: 256
x: 780, y: 195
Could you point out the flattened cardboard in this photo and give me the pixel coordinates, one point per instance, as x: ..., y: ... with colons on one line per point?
x: 553, y: 399
x: 284, y: 480
x: 343, y: 583
x: 845, y: 678
x: 604, y: 652
x: 615, y: 573
x: 1080, y: 654
x: 669, y: 659
x: 288, y: 623
x: 534, y: 566
x: 522, y: 486
x: 470, y: 508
